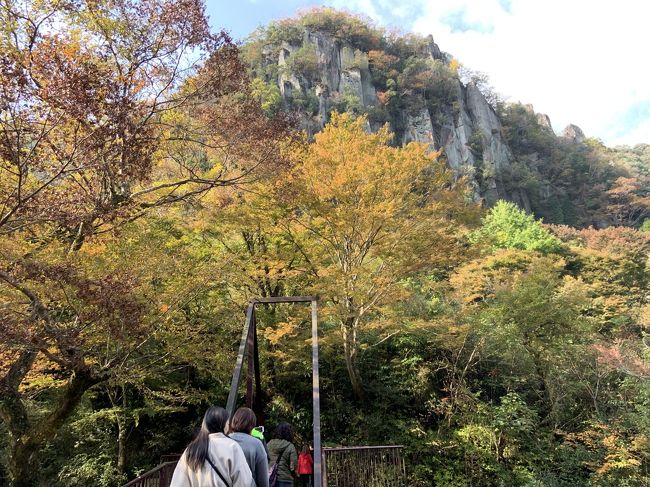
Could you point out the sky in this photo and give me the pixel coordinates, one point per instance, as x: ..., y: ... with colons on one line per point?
x: 584, y: 62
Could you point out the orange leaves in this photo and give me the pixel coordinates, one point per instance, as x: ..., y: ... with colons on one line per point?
x: 288, y: 328
x: 372, y: 214
x: 384, y: 97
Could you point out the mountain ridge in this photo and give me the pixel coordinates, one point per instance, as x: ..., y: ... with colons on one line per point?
x: 325, y: 60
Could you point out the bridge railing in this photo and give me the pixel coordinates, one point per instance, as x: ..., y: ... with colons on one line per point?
x: 364, y: 466
x: 352, y: 466
x: 161, y: 476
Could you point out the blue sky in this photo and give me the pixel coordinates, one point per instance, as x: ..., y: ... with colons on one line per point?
x: 241, y: 17
x: 579, y: 61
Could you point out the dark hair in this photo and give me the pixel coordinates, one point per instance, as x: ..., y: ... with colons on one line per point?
x: 284, y: 431
x: 305, y: 448
x: 243, y: 421
x: 214, y: 421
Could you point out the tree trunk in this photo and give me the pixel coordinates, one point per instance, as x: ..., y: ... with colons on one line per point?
x: 14, y: 415
x: 27, y: 438
x: 350, y: 345
x: 122, y: 426
x: 23, y: 463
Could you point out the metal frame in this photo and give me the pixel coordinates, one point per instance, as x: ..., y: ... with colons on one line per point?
x: 248, y: 346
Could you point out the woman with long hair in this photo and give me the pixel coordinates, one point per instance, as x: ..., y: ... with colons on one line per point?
x: 241, y: 425
x: 282, y: 452
x: 212, y: 459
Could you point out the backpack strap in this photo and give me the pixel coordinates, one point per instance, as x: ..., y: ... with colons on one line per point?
x: 277, y: 460
x: 214, y: 467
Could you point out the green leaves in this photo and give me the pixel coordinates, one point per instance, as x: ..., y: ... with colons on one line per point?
x: 509, y: 227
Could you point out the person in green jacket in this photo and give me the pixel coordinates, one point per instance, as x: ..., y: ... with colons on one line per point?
x: 282, y: 451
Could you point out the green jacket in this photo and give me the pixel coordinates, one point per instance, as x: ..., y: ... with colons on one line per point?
x: 288, y: 462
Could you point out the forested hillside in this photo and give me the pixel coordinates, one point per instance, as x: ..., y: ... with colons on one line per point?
x: 147, y: 195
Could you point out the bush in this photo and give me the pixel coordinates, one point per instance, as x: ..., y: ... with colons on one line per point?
x: 346, y: 27
x: 348, y: 101
x: 268, y: 94
x: 306, y: 101
x: 287, y: 30
x: 304, y: 62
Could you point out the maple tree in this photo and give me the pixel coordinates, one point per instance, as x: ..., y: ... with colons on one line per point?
x: 371, y: 215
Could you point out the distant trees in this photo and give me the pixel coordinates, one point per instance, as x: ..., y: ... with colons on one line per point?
x: 629, y: 200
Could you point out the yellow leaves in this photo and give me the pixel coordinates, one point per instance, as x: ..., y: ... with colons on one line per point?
x: 288, y: 328
x: 481, y: 278
x: 644, y: 316
x: 620, y: 454
x: 94, y: 248
x: 355, y: 178
x: 370, y: 213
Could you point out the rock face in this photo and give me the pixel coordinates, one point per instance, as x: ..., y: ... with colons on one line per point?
x: 287, y: 82
x: 573, y: 133
x: 418, y: 128
x: 544, y: 121
x: 468, y: 131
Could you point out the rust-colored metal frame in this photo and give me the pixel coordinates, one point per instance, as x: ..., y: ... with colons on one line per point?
x: 248, y: 347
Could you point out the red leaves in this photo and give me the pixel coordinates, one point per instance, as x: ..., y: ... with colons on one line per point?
x: 621, y: 356
x: 89, y: 97
x: 614, y: 240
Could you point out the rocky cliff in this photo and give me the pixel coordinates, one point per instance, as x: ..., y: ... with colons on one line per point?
x: 335, y: 62
x: 343, y: 70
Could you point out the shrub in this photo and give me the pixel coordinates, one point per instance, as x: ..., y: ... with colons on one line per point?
x: 304, y: 62
x: 646, y: 225
x: 348, y: 101
x: 268, y: 94
x: 306, y: 101
x: 351, y: 29
x: 287, y: 30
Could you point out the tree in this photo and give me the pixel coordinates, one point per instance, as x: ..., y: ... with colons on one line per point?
x: 371, y: 215
x: 109, y: 111
x: 629, y: 200
x: 508, y: 227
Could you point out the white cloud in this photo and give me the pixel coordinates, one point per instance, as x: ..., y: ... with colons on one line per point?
x: 366, y: 7
x: 640, y: 134
x: 579, y: 61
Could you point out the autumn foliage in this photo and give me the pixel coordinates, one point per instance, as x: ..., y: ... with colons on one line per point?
x: 148, y: 192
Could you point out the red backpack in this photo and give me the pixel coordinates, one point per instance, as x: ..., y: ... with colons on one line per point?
x: 305, y: 464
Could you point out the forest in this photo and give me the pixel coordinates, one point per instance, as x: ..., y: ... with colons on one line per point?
x: 153, y: 179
